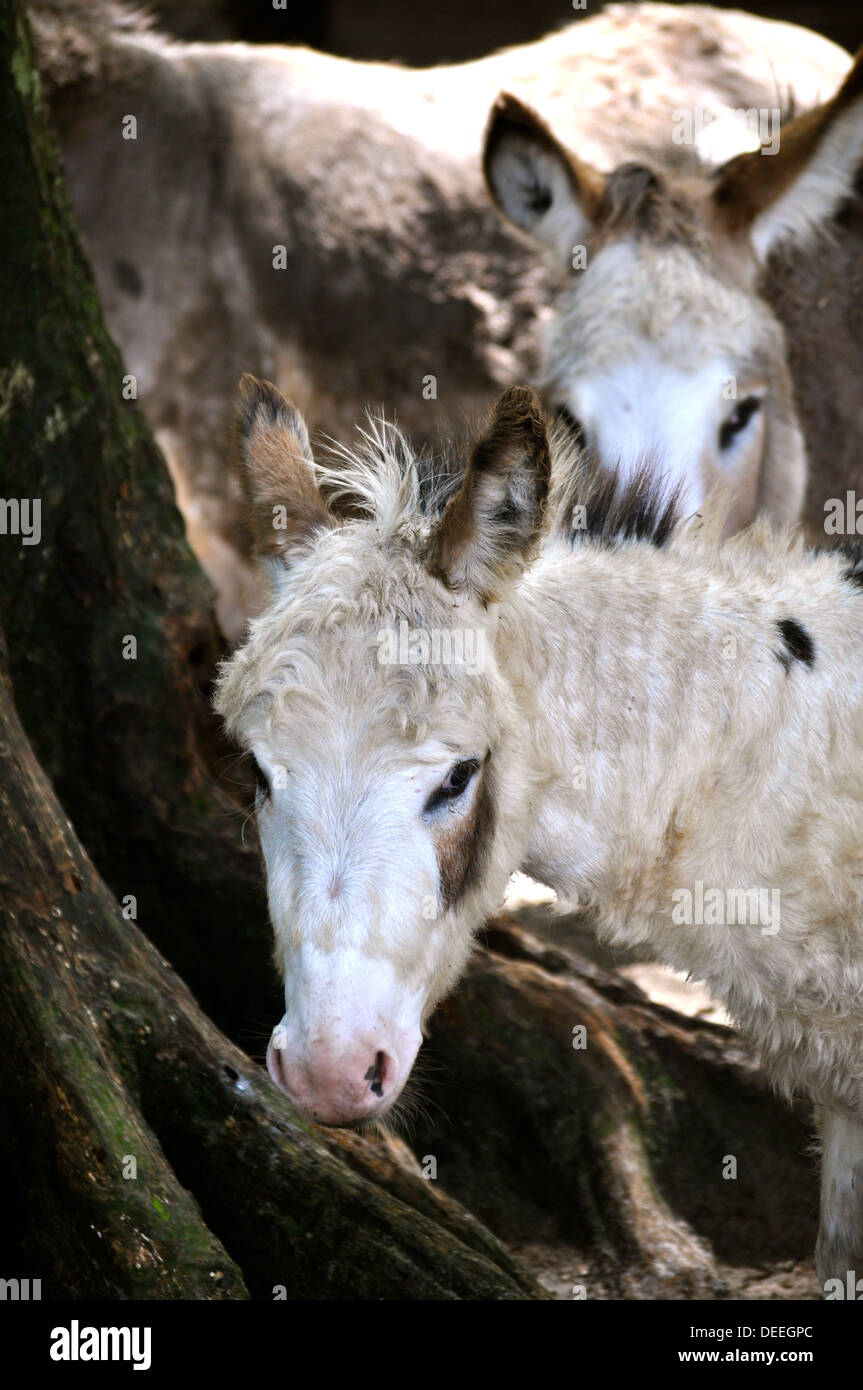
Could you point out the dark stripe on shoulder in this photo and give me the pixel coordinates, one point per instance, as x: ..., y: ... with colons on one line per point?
x: 797, y: 644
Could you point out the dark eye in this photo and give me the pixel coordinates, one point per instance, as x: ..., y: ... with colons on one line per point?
x: 456, y: 781
x: 261, y: 779
x: 738, y: 420
x: 572, y: 422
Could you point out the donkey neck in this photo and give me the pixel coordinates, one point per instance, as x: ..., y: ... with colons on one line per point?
x: 642, y: 675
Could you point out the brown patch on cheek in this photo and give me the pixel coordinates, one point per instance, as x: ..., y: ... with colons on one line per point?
x: 463, y: 848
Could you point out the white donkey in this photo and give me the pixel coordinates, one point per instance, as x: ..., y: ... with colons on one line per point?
x: 668, y: 335
x: 520, y: 666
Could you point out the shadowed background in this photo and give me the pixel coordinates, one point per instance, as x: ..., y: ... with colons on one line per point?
x: 449, y: 31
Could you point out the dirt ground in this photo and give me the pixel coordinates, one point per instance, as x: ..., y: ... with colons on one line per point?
x: 564, y: 1274
x: 561, y: 1269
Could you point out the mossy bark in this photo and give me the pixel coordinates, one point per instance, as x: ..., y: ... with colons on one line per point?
x: 127, y: 741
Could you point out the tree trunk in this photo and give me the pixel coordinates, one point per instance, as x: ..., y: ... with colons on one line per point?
x: 128, y: 742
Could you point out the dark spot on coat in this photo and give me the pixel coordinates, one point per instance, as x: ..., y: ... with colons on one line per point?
x: 128, y: 278
x: 798, y: 644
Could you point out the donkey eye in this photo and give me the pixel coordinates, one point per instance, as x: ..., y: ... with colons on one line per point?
x: 457, y: 780
x: 261, y: 780
x: 738, y: 420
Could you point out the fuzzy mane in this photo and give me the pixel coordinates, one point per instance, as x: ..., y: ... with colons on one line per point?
x: 590, y: 503
x: 381, y: 479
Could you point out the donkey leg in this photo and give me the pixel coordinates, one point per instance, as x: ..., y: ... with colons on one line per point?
x: 840, y: 1230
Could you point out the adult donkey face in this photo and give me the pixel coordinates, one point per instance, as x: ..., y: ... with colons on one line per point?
x: 659, y: 344
x: 386, y: 742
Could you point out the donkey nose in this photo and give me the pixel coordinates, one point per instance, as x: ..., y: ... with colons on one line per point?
x: 335, y: 1091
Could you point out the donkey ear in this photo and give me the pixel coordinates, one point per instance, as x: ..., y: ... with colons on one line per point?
x: 272, y: 445
x: 790, y: 193
x: 493, y: 523
x: 544, y: 190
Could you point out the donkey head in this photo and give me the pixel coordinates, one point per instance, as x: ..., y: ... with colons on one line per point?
x: 384, y: 737
x: 660, y: 345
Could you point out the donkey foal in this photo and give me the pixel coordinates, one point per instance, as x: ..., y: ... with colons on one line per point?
x: 660, y: 718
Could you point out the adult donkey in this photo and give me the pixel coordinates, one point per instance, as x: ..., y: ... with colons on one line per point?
x: 275, y: 202
x: 709, y: 696
x: 667, y: 335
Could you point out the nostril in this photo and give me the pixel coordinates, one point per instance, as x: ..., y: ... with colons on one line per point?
x: 377, y: 1075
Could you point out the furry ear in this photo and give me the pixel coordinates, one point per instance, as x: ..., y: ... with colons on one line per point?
x: 493, y: 524
x: 787, y: 194
x: 536, y: 183
x: 272, y: 445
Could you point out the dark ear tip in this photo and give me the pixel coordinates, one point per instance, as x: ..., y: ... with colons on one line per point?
x: 853, y: 84
x: 259, y: 401
x: 521, y: 392
x: 519, y: 402
x: 251, y: 392
x: 508, y: 107
x: 508, y: 114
